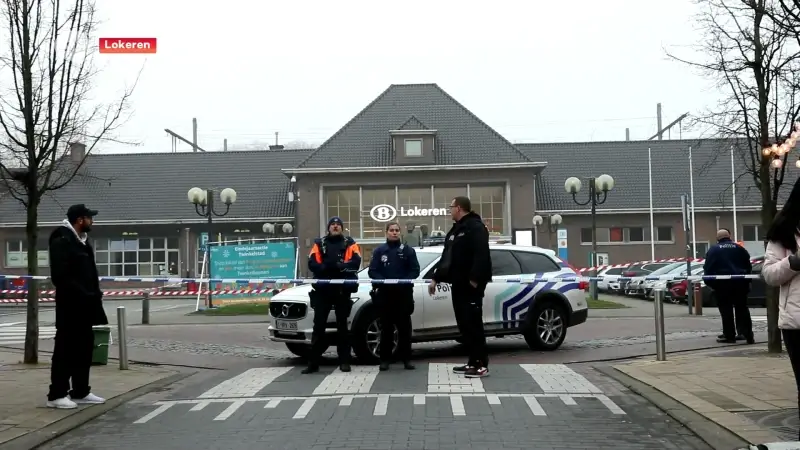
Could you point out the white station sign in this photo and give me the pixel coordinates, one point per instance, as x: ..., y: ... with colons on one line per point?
x: 387, y: 213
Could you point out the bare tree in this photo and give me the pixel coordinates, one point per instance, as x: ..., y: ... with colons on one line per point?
x: 48, y: 62
x: 755, y: 63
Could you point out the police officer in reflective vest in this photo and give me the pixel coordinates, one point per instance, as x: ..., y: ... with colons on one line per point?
x: 394, y: 260
x: 332, y: 257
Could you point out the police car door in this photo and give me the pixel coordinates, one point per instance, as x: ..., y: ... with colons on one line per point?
x: 500, y: 291
x: 437, y: 309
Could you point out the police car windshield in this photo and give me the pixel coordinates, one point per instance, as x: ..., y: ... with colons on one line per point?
x: 425, y: 259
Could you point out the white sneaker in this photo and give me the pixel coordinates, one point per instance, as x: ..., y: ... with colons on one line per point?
x: 62, y: 403
x: 90, y: 399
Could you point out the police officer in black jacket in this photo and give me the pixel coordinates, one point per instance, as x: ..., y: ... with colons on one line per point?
x: 730, y: 258
x: 79, y: 306
x: 467, y: 266
x: 395, y: 302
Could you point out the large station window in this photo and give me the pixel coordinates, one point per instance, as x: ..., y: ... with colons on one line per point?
x: 443, y: 196
x: 137, y: 257
x: 375, y: 229
x: 488, y: 202
x: 344, y: 204
x: 413, y: 198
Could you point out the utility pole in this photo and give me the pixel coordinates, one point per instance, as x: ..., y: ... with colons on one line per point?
x: 658, y: 120
x: 661, y: 130
x: 194, y: 131
x: 276, y: 138
x: 627, y: 134
x: 193, y: 142
x: 225, y: 145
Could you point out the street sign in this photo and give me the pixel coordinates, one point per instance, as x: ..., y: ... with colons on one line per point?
x: 562, y: 243
x: 252, y: 261
x: 202, y: 241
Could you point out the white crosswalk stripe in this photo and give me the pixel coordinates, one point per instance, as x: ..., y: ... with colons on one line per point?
x: 12, y: 334
x: 758, y: 318
x: 539, y: 385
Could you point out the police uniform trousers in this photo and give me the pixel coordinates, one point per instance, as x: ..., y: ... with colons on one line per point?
x: 468, y: 309
x: 323, y: 300
x: 732, y: 304
x: 395, y: 304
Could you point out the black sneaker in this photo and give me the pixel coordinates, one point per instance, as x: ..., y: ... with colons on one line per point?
x: 384, y: 366
x: 724, y: 340
x: 344, y: 367
x: 477, y: 372
x: 310, y: 369
x: 462, y: 369
x: 408, y: 366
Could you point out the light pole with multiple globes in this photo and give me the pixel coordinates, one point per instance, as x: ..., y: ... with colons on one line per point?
x: 598, y: 194
x: 203, y: 200
x: 552, y: 225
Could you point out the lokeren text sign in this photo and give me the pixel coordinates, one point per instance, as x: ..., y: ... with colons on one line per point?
x: 387, y: 213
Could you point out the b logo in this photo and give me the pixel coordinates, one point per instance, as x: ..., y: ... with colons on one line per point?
x: 383, y: 213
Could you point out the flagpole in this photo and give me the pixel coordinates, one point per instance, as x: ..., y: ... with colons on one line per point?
x: 733, y: 185
x: 691, y: 192
x: 652, y: 227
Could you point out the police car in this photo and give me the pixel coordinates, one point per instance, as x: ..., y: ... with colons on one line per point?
x: 540, y: 311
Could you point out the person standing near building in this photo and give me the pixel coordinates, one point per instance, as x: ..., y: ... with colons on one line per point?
x: 394, y: 260
x: 466, y: 264
x: 79, y: 306
x: 781, y: 267
x: 333, y: 257
x: 411, y: 238
x: 729, y: 258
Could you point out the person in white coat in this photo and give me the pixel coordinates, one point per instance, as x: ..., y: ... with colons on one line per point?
x: 781, y: 268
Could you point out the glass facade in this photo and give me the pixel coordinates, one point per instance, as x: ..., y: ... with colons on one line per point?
x: 137, y: 257
x: 366, y: 211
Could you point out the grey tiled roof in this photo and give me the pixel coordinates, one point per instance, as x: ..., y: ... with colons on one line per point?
x: 153, y: 186
x: 626, y: 161
x: 462, y: 138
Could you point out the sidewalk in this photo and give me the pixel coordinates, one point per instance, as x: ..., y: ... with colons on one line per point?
x: 745, y: 390
x: 23, y: 390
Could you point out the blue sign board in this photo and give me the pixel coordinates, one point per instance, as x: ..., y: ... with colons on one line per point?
x: 202, y: 241
x: 252, y: 261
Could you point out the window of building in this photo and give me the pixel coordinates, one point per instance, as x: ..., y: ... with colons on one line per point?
x: 137, y: 257
x: 504, y: 263
x: 17, y: 254
x: 750, y: 233
x: 442, y: 197
x: 413, y: 147
x: 345, y: 204
x: 371, y: 198
x: 618, y: 235
x: 408, y: 198
x: 488, y: 202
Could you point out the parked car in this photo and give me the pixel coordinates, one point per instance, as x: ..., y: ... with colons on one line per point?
x: 677, y: 270
x: 610, y: 285
x: 540, y: 311
x: 676, y: 290
x: 633, y: 287
x: 758, y: 289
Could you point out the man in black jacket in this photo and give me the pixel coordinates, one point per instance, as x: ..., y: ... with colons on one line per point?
x: 79, y: 306
x: 467, y: 266
x: 333, y: 257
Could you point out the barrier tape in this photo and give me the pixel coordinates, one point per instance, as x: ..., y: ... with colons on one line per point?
x: 524, y: 280
x: 25, y: 300
x: 624, y: 265
x: 154, y: 293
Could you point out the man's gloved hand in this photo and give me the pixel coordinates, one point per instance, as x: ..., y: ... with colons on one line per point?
x: 341, y: 265
x: 794, y: 262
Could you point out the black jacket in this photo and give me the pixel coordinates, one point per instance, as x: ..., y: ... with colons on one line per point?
x: 394, y: 261
x: 335, y: 258
x: 727, y: 258
x: 466, y: 254
x: 79, y: 300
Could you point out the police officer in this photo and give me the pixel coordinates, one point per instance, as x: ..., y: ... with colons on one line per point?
x: 730, y: 258
x: 394, y: 260
x: 333, y: 257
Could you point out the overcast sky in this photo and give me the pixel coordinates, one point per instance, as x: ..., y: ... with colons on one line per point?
x: 535, y: 71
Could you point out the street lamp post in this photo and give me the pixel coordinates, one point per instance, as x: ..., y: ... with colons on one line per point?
x: 552, y: 225
x: 203, y: 200
x: 598, y: 187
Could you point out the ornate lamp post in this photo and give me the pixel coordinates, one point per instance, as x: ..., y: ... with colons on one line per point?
x: 598, y: 194
x: 203, y: 200
x: 552, y: 225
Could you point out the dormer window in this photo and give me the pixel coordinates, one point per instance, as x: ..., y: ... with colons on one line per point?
x: 413, y: 148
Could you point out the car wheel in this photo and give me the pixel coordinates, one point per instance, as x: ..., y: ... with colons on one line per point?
x: 367, y: 337
x: 301, y: 350
x: 546, y: 327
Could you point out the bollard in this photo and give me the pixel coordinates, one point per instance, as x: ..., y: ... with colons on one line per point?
x: 698, y: 299
x: 146, y: 309
x: 122, y: 341
x: 658, y: 301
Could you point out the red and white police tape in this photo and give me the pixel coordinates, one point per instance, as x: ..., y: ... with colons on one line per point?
x: 615, y: 266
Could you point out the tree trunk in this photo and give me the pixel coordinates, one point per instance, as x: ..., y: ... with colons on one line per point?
x: 768, y: 210
x: 32, y: 327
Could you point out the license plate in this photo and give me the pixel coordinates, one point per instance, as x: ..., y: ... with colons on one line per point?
x: 285, y: 325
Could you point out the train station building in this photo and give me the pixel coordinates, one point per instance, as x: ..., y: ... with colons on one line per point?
x: 403, y: 157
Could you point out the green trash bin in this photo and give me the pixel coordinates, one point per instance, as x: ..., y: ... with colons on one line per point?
x: 102, y: 339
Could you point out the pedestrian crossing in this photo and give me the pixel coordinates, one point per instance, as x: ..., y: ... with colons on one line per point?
x: 284, y: 390
x: 14, y: 333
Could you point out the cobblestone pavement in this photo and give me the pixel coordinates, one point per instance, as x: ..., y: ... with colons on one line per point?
x: 520, y: 406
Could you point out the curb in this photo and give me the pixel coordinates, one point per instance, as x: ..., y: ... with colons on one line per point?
x: 37, y: 438
x: 710, y: 432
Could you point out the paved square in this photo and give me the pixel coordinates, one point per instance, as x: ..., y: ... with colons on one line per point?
x: 517, y: 406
